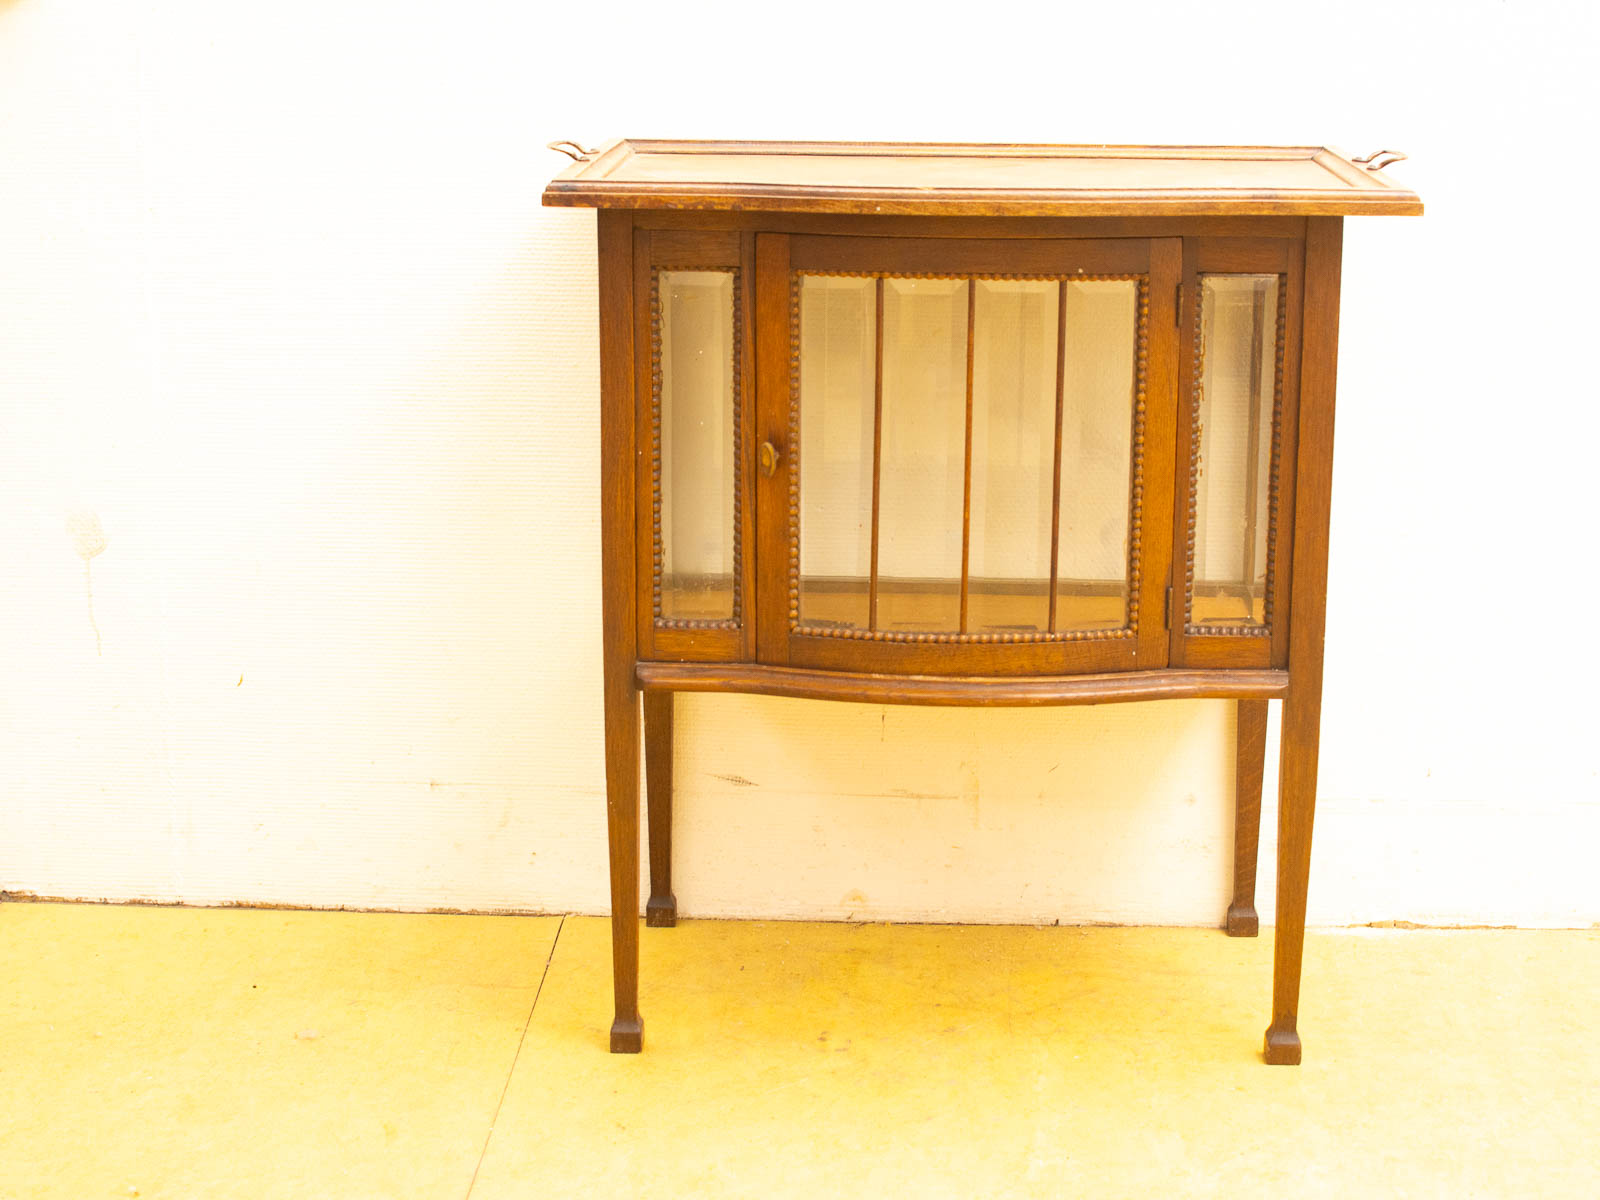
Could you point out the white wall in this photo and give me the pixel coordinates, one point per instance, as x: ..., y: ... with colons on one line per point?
x: 279, y: 308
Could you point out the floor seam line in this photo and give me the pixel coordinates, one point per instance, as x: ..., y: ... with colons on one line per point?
x: 506, y: 1087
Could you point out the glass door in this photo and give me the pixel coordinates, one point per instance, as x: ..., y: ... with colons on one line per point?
x: 966, y: 453
x: 1237, y: 423
x: 695, y: 400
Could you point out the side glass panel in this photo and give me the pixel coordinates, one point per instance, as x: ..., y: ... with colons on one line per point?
x: 1237, y: 390
x: 695, y: 346
x: 967, y: 452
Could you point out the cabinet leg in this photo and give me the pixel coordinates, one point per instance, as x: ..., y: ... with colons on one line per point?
x: 622, y: 831
x: 1248, y: 767
x: 1297, y: 802
x: 661, y: 910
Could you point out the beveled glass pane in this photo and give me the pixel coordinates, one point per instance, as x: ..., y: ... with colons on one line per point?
x: 1013, y: 455
x: 698, y: 479
x: 1096, y: 454
x: 838, y: 339
x: 1238, y: 350
x: 922, y: 474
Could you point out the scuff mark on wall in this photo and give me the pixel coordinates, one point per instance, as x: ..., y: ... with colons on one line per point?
x: 88, y: 539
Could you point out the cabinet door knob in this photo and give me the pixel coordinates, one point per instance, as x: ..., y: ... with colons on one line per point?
x: 770, y: 457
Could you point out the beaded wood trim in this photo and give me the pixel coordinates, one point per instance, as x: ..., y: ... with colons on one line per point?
x: 656, y: 554
x: 1197, y: 368
x: 794, y: 451
x: 1008, y: 637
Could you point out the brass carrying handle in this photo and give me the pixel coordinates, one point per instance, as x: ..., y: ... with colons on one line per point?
x: 1379, y: 159
x: 571, y: 149
x: 769, y: 457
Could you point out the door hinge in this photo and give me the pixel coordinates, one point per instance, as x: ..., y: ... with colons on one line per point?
x: 1177, y: 305
x: 1166, y: 609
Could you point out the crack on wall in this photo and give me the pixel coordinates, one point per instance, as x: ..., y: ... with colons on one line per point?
x: 88, y: 539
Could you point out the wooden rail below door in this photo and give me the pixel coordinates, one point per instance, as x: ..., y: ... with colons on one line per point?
x: 1012, y: 691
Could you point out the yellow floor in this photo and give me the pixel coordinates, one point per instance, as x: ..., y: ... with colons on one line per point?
x: 228, y: 1053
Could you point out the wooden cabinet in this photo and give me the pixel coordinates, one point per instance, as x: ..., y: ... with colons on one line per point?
x: 968, y: 425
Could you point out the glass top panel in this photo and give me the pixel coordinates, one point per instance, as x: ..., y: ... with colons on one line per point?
x: 955, y: 178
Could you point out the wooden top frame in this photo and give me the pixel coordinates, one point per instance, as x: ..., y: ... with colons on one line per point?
x: 962, y: 179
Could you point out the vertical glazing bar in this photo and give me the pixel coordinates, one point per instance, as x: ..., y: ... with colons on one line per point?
x: 966, y: 486
x: 1055, y: 491
x: 877, y: 458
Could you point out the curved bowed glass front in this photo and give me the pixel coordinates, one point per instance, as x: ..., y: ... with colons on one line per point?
x: 966, y: 456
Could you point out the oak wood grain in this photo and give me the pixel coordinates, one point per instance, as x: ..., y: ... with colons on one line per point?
x: 966, y: 469
x: 877, y: 455
x: 619, y: 589
x: 1302, y: 707
x: 953, y: 178
x: 1249, y: 761
x: 1269, y: 644
x: 773, y: 385
x: 978, y: 692
x: 987, y: 228
x: 721, y: 638
x: 1139, y: 641
x: 661, y: 909
x: 1160, y: 216
x: 1055, y: 478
